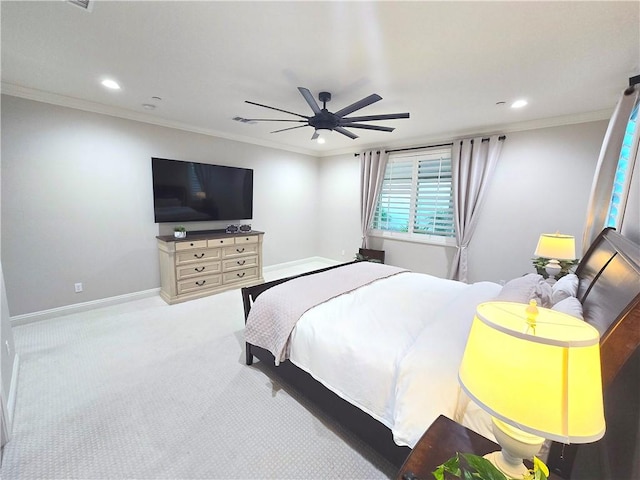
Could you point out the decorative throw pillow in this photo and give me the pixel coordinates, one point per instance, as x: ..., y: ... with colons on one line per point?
x: 528, y: 287
x: 570, y: 306
x: 566, y: 287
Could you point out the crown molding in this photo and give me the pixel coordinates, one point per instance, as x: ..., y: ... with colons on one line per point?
x: 491, y: 130
x: 88, y: 106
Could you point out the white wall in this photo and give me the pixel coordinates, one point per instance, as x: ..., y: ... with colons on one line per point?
x: 541, y: 184
x: 77, y: 201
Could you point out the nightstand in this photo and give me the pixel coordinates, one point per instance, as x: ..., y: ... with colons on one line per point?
x: 439, y: 443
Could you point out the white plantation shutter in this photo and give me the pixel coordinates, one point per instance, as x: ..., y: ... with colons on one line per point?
x: 434, y: 201
x: 394, y: 204
x: 416, y: 197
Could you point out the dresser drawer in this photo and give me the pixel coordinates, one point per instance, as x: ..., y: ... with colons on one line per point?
x: 199, y: 283
x: 247, y: 239
x: 180, y: 246
x: 220, y: 242
x: 240, y: 275
x: 239, y: 263
x: 199, y: 255
x: 240, y: 250
x: 197, y: 270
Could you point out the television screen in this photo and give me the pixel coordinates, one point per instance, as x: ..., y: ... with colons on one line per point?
x: 190, y: 192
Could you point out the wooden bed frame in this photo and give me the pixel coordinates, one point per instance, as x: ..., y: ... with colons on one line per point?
x: 609, y: 290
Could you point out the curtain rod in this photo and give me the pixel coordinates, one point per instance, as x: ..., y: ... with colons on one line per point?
x: 501, y: 137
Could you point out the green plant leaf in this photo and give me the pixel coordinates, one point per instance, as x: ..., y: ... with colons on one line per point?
x: 541, y: 471
x: 438, y: 473
x: 485, y: 469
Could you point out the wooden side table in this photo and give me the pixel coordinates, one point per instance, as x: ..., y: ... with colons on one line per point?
x: 439, y: 443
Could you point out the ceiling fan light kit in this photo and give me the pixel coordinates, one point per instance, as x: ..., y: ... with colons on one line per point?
x: 323, y: 119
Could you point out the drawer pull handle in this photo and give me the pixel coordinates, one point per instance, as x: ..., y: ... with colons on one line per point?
x: 201, y: 282
x: 199, y: 269
x: 241, y: 262
x: 198, y: 255
x: 240, y: 275
x: 240, y: 250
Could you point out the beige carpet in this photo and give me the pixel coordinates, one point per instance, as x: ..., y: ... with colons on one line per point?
x: 146, y: 390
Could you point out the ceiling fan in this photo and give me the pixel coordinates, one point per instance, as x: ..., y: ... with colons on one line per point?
x: 323, y: 119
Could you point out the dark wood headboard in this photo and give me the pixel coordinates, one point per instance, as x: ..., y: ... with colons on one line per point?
x: 609, y: 290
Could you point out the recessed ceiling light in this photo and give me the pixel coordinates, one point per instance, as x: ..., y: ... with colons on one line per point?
x: 148, y: 106
x: 112, y: 84
x: 518, y: 104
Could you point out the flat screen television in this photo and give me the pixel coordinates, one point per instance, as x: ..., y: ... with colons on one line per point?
x: 195, y: 192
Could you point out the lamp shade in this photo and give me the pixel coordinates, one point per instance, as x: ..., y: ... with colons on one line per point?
x: 556, y: 246
x: 544, y: 380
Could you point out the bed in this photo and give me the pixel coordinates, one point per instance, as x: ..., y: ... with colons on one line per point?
x: 378, y: 347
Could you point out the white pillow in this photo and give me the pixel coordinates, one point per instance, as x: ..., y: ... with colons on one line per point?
x: 570, y: 306
x: 528, y: 287
x: 566, y: 287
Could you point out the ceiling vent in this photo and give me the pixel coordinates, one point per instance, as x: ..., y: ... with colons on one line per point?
x: 84, y: 4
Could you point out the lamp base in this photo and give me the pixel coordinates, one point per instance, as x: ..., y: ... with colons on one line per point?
x: 516, y: 445
x: 509, y: 469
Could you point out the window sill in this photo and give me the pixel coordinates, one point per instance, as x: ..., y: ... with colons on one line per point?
x: 413, y: 238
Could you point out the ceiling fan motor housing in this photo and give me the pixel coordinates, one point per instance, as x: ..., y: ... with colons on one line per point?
x: 324, y: 120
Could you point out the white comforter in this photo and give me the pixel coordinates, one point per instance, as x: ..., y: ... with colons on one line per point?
x: 392, y: 348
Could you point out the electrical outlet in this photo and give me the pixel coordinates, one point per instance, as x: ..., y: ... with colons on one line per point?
x: 343, y: 253
x: 6, y: 345
x: 78, y: 287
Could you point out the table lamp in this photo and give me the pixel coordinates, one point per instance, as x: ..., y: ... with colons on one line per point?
x: 537, y: 372
x: 555, y: 247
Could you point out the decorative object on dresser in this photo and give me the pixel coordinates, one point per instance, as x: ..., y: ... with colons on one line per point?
x: 543, y: 382
x: 555, y: 255
x: 180, y: 232
x: 208, y: 262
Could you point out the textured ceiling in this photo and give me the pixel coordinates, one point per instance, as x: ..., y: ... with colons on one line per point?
x: 447, y: 63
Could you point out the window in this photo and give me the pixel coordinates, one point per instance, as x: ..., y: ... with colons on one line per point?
x: 416, y: 200
x: 622, y: 177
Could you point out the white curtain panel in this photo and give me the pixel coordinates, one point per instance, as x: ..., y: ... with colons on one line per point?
x: 606, y: 167
x: 372, y: 167
x: 472, y: 164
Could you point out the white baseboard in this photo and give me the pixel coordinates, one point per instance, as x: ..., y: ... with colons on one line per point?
x: 13, y: 390
x: 128, y: 297
x: 295, y: 263
x: 81, y: 307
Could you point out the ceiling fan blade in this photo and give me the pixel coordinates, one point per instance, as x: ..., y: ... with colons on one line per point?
x: 272, y: 120
x: 277, y: 109
x: 368, y: 127
x: 310, y: 100
x: 386, y: 116
x: 315, y: 135
x: 358, y: 105
x: 345, y: 132
x: 290, y: 128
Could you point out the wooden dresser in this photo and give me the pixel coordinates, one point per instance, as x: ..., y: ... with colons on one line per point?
x: 208, y: 262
